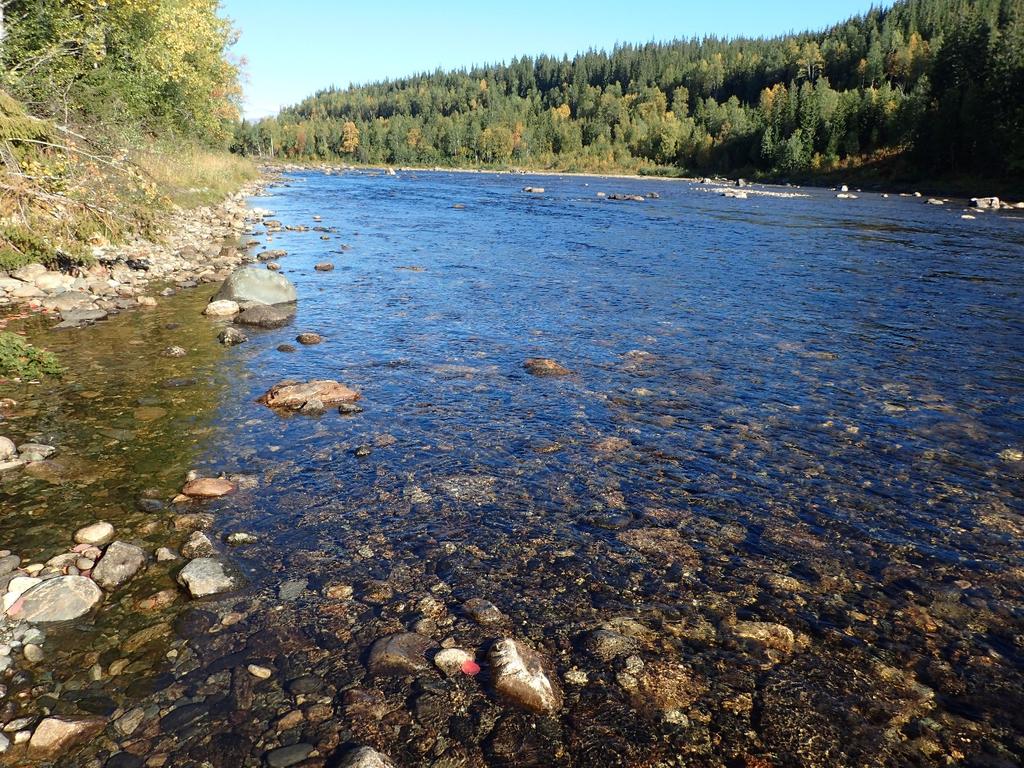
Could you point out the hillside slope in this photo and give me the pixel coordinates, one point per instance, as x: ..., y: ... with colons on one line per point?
x: 926, y: 88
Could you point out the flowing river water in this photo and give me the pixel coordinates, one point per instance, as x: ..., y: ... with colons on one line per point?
x: 773, y: 516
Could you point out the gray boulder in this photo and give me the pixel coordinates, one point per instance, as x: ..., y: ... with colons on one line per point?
x: 256, y: 286
x: 205, y: 576
x: 118, y: 565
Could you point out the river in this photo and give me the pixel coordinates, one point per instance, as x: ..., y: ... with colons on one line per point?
x: 771, y: 516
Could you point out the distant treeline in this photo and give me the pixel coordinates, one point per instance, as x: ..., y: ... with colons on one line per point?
x: 926, y: 87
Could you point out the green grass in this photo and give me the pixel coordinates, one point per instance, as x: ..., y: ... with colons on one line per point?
x: 20, y: 359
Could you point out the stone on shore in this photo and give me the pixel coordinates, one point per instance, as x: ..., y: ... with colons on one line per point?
x: 519, y: 676
x: 297, y: 396
x: 118, y: 565
x: 96, y: 534
x: 55, y: 737
x: 544, y: 366
x: 205, y: 576
x: 258, y: 286
x: 60, y: 599
x: 208, y: 487
x: 222, y: 308
x: 366, y: 757
x: 266, y: 315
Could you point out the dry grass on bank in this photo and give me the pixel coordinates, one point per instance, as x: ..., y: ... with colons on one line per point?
x: 190, y: 176
x: 63, y: 189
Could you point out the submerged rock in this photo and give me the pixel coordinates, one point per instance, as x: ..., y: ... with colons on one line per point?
x: 309, y: 338
x: 61, y: 599
x: 55, y: 736
x: 250, y: 285
x: 118, y: 565
x: 205, y: 576
x: 230, y: 337
x: 365, y: 757
x: 282, y: 757
x: 401, y: 654
x: 297, y: 396
x: 519, y: 676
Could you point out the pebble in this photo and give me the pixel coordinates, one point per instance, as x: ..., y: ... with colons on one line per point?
x: 165, y: 554
x: 263, y: 673
x: 98, y: 534
x: 33, y: 653
x: 400, y: 654
x: 205, y: 576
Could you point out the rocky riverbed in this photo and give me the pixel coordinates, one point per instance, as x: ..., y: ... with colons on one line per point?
x: 465, y: 529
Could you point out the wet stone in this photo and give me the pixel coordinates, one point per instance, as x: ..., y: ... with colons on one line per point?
x: 205, y: 576
x: 119, y: 564
x: 290, y: 755
x: 56, y: 736
x: 606, y: 644
x: 182, y: 716
x: 483, y: 612
x: 98, y: 533
x: 305, y: 685
x: 519, y: 676
x: 60, y: 599
x: 365, y: 757
x: 400, y: 654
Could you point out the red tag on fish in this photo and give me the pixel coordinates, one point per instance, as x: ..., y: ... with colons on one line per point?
x: 470, y: 667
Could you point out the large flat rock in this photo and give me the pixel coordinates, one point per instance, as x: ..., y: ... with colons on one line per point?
x: 61, y: 599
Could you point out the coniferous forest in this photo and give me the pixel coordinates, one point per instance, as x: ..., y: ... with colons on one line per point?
x: 924, y: 88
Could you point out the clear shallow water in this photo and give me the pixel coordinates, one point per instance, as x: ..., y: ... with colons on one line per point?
x: 809, y: 396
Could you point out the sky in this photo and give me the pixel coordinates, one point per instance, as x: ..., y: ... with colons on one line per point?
x: 296, y: 48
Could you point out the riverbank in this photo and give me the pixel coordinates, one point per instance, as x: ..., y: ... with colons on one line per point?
x: 192, y: 246
x: 961, y: 190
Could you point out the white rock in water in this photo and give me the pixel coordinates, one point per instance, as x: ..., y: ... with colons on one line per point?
x: 98, y: 533
x: 450, y: 660
x: 60, y: 599
x: 205, y: 576
x: 519, y: 676
x: 366, y: 757
x: 7, y: 449
x: 1011, y: 454
x: 222, y: 308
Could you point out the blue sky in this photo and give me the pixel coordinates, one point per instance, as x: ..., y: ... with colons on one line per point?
x: 296, y: 48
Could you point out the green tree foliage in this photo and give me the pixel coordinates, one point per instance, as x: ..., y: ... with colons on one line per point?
x: 937, y: 84
x: 159, y: 64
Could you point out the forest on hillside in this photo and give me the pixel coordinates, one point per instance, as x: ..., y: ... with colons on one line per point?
x: 922, y: 88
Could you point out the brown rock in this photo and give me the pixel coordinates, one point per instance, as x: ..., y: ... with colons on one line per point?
x: 295, y: 395
x: 324, y: 266
x: 208, y: 488
x: 309, y: 338
x: 401, y: 654
x: 57, y: 736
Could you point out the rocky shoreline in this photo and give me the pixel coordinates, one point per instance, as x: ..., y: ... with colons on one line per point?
x: 197, y: 246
